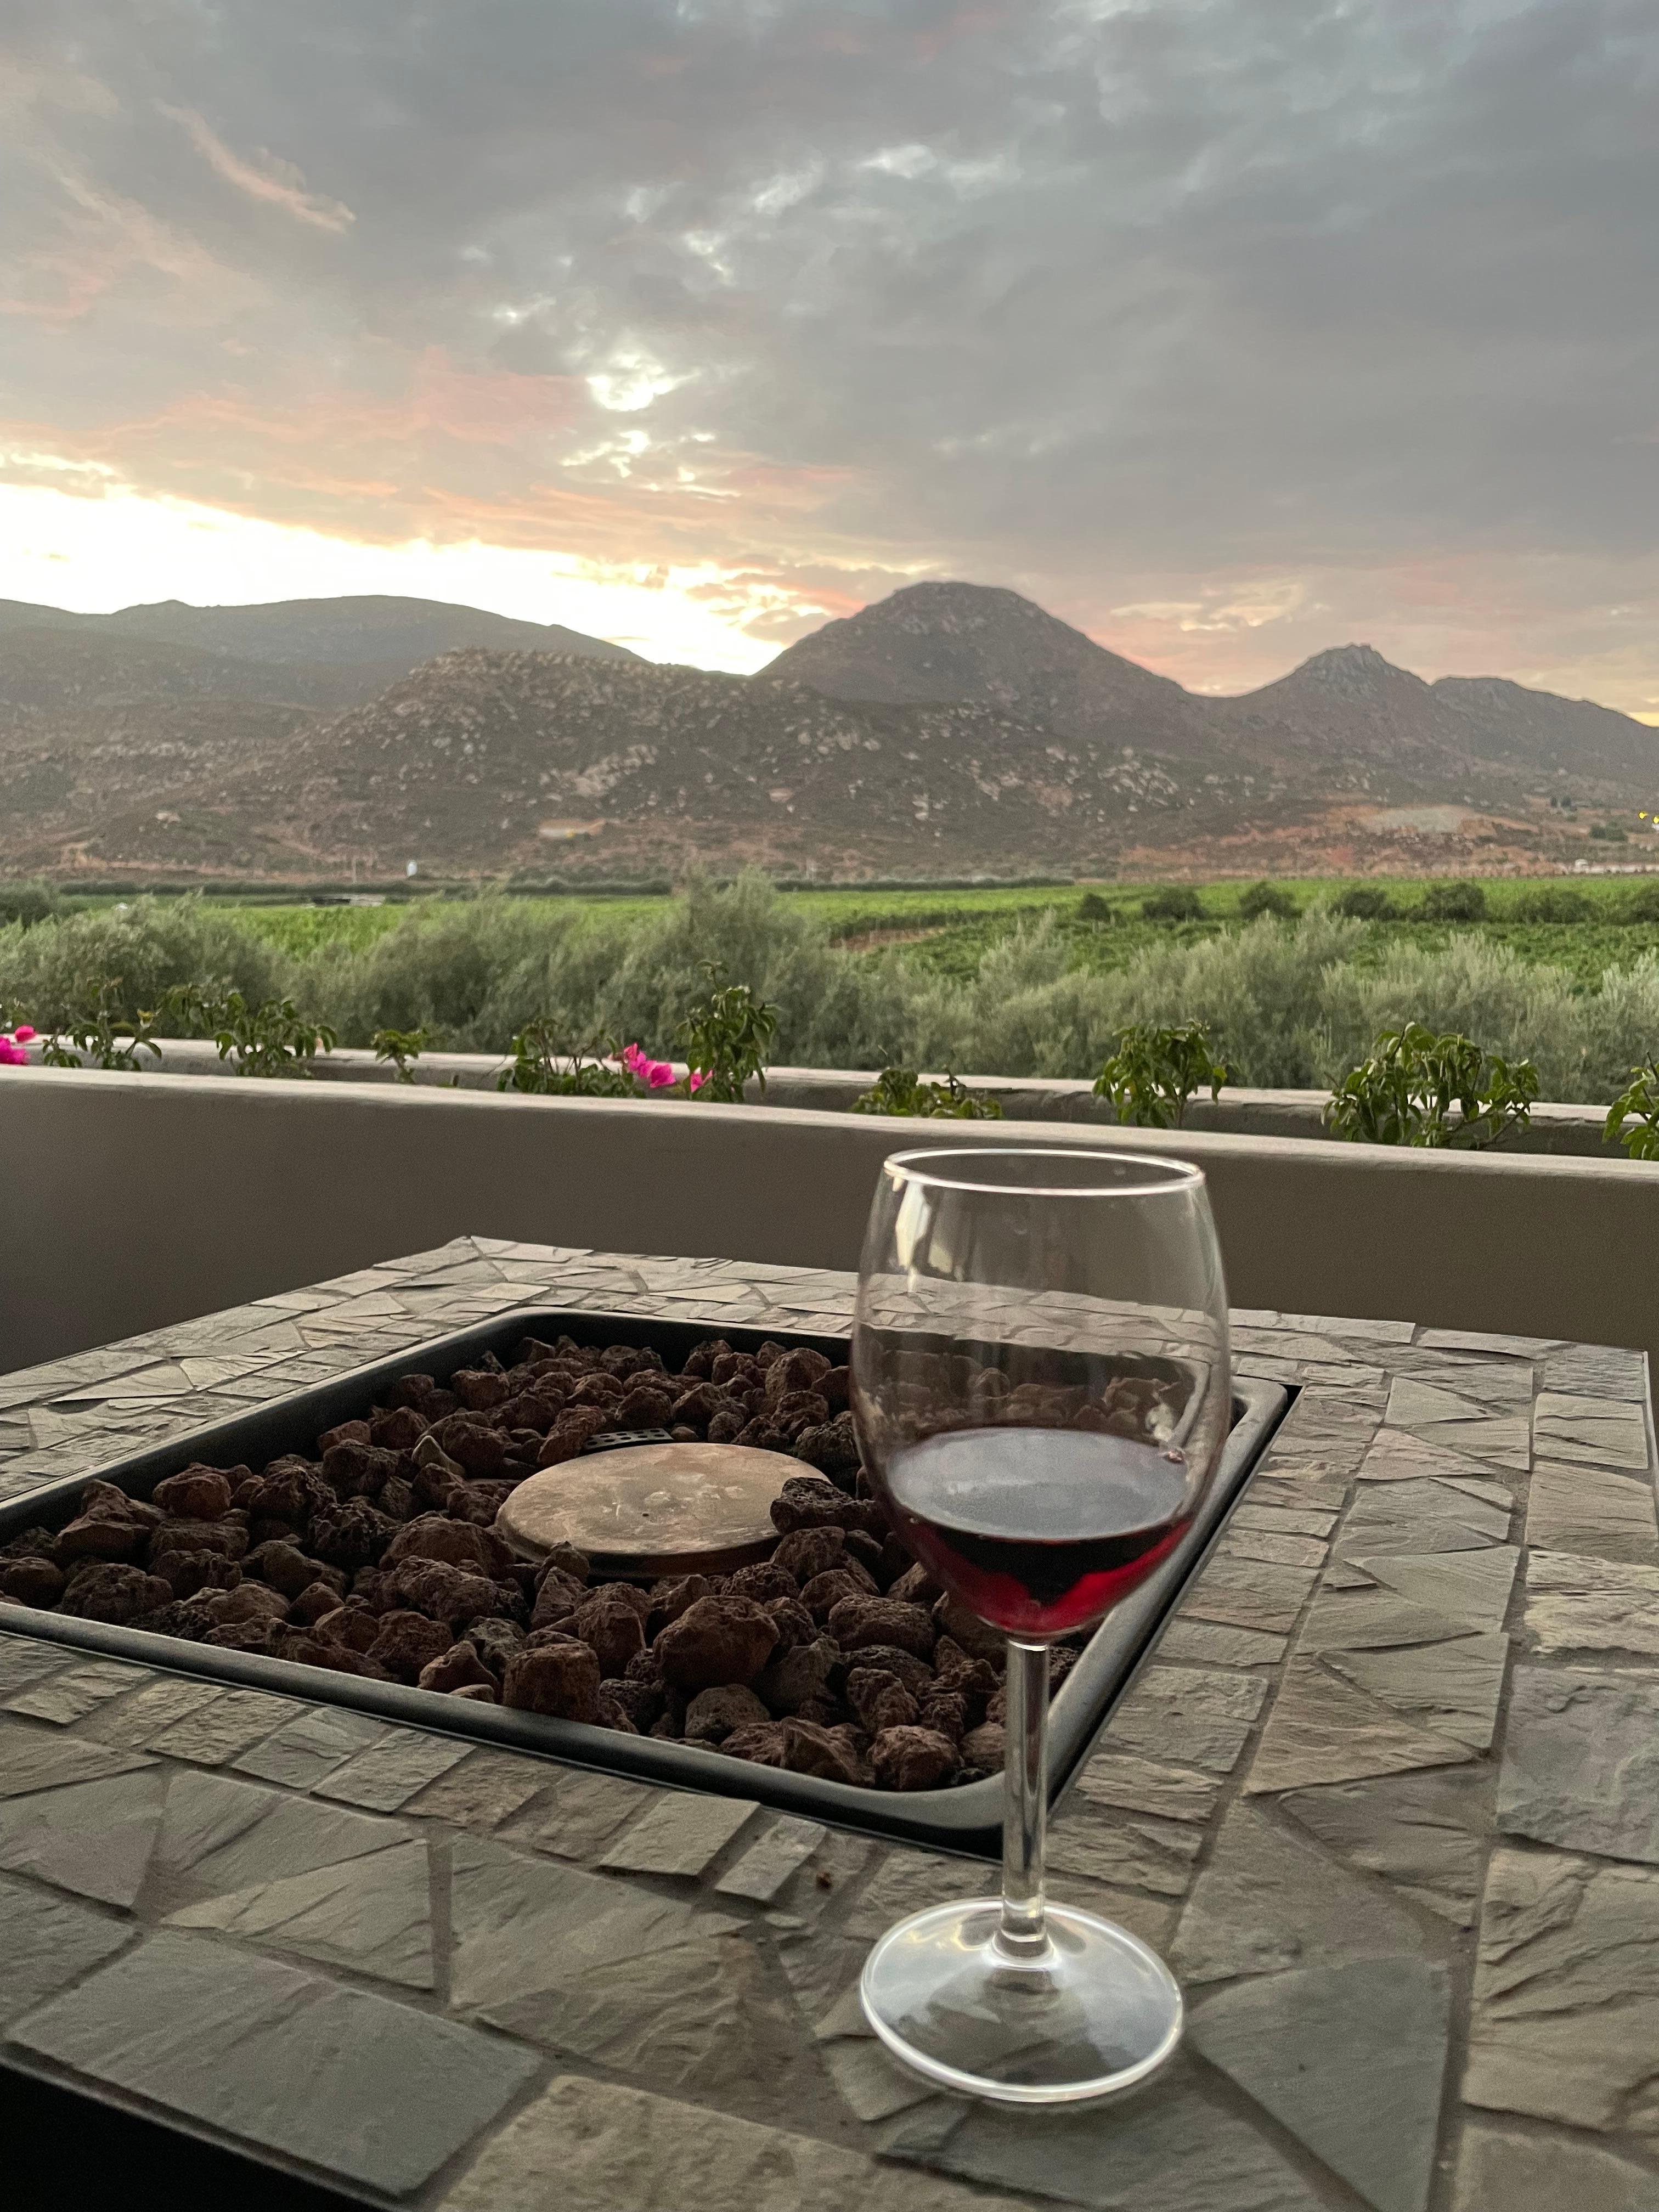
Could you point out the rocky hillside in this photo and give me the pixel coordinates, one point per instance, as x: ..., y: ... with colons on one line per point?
x: 950, y: 729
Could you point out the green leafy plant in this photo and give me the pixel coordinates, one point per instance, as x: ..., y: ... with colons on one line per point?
x: 1640, y: 1102
x: 901, y: 1090
x: 271, y: 1037
x: 1092, y: 908
x: 1179, y: 902
x: 1261, y: 899
x: 1643, y: 904
x: 1154, y: 1071
x: 1453, y: 902
x: 402, y: 1047
x: 1363, y: 902
x: 546, y: 1065
x: 28, y: 902
x: 1419, y: 1089
x: 102, y: 1034
x: 1610, y: 833
x: 1556, y: 903
x: 725, y: 1040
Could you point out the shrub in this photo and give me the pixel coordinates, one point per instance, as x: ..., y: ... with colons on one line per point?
x: 725, y: 1040
x: 1154, y: 1071
x: 403, y: 1047
x: 546, y: 1066
x: 1638, y: 1101
x: 1179, y: 902
x: 57, y: 966
x: 901, y: 1091
x: 1405, y: 1092
x: 1643, y: 904
x: 1462, y: 901
x: 1610, y: 833
x: 1556, y: 903
x: 102, y: 1034
x: 1267, y: 899
x: 1365, y: 903
x: 1092, y: 908
x: 272, y: 1037
x: 25, y: 903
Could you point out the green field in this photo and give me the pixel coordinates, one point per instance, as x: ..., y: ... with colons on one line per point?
x: 947, y: 932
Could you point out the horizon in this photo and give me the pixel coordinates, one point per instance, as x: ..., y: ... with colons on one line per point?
x: 1351, y: 644
x: 1219, y: 332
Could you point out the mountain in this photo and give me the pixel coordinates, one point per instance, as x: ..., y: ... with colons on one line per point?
x: 504, y: 760
x: 937, y: 643
x: 350, y: 632
x: 951, y: 728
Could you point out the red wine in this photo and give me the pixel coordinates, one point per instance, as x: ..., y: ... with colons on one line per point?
x: 1040, y: 1530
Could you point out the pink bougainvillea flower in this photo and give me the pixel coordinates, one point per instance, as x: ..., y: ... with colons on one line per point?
x: 24, y: 1033
x: 695, y: 1081
x: 12, y: 1055
x: 658, y: 1074
x: 631, y: 1058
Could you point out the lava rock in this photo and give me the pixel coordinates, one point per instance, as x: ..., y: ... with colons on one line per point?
x: 913, y: 1758
x: 642, y: 1702
x: 30, y: 1582
x: 314, y: 1604
x: 290, y: 1489
x: 810, y: 1501
x: 247, y: 1601
x: 184, y: 1573
x: 797, y: 1677
x: 825, y: 1592
x: 964, y: 1627
x: 557, y: 1596
x: 496, y: 1642
x: 397, y: 1428
x: 713, y: 1715
x: 286, y: 1568
x: 947, y: 1712
x: 350, y: 1536
x: 810, y: 1749
x: 612, y: 1626
x: 107, y: 1590
x: 985, y: 1748
x: 880, y: 1699
x: 442, y: 1592
x: 357, y: 1468
x: 916, y: 1586
x: 764, y: 1582
x: 227, y: 1536
x: 351, y: 1624
x: 794, y: 1623
x: 480, y: 1388
x: 670, y: 1598
x: 456, y: 1670
x: 559, y: 1677
x: 832, y: 1446
x: 811, y: 1552
x: 859, y: 1622
x: 472, y: 1443
x: 196, y: 1493
x: 716, y: 1640
x: 569, y: 1433
x: 916, y: 1674
x: 437, y: 1537
x: 347, y: 1433
x: 761, y: 1744
x: 407, y: 1642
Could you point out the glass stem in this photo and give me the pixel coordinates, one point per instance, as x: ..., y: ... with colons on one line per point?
x: 1025, y: 1814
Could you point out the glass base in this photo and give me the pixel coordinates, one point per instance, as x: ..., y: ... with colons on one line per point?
x: 1090, y: 2012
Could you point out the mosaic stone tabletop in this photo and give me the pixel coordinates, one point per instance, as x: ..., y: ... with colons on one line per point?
x: 1387, y: 1798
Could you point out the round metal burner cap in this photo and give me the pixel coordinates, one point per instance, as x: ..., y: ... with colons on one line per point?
x: 652, y: 1509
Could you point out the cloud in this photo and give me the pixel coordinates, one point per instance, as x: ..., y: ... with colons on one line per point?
x: 278, y: 183
x: 1230, y: 328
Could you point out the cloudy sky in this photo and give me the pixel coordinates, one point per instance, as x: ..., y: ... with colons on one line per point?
x: 1227, y: 329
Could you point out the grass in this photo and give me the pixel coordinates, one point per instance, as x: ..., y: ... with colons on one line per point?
x: 946, y: 934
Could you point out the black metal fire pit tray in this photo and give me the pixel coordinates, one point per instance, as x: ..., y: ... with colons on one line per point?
x: 967, y: 1820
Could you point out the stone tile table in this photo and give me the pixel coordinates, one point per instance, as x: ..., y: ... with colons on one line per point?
x: 1386, y: 1796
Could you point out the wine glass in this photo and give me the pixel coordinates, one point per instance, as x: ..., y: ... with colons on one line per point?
x: 1041, y: 1386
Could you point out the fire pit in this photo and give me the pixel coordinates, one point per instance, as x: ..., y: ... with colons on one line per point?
x: 391, y: 1542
